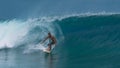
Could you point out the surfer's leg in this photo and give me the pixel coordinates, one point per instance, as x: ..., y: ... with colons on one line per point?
x: 50, y: 45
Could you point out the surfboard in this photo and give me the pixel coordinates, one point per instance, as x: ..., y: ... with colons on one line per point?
x: 46, y: 51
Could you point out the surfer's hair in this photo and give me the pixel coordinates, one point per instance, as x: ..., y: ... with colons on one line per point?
x: 49, y: 33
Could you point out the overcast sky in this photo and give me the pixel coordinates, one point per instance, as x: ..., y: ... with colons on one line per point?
x: 25, y: 8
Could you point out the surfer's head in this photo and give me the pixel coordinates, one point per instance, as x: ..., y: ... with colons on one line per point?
x: 49, y: 33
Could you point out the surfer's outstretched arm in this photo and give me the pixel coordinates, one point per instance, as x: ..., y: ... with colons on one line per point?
x: 45, y: 39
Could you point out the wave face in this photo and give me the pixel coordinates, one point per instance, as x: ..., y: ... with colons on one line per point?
x: 94, y: 33
x: 92, y: 40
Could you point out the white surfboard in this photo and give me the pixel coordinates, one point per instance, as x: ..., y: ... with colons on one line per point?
x: 46, y: 51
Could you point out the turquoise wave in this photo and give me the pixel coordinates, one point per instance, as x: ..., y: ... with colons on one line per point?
x: 91, y: 40
x: 91, y: 33
x: 88, y: 41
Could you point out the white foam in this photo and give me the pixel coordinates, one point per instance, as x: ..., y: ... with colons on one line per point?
x: 33, y: 48
x: 11, y: 32
x: 86, y: 14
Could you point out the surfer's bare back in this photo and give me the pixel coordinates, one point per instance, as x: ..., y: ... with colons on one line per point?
x: 53, y: 40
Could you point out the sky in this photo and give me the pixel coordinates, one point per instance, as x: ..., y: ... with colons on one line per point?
x: 10, y: 9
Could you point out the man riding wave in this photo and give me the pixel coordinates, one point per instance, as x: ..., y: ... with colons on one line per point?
x: 53, y: 41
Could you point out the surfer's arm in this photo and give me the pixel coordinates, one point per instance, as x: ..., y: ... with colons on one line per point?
x: 45, y: 39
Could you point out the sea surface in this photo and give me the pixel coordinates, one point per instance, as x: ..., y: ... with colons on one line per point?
x: 83, y: 41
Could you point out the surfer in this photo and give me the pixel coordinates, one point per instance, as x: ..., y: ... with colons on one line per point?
x: 52, y: 39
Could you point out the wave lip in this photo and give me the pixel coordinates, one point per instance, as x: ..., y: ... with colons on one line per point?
x: 87, y: 14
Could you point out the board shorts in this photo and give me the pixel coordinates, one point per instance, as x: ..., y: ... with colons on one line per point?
x: 51, y: 43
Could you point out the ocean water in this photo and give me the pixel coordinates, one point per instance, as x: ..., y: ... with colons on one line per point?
x: 83, y: 41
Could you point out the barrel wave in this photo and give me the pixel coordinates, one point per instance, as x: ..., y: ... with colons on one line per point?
x: 87, y: 41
